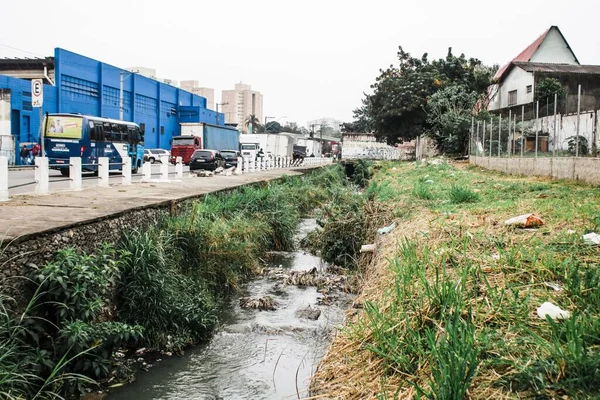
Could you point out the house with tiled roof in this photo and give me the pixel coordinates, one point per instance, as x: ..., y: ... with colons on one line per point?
x: 515, y: 81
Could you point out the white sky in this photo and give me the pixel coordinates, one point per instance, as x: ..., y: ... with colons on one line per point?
x: 309, y: 58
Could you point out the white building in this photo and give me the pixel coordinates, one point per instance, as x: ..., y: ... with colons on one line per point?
x: 516, y: 80
x: 194, y: 87
x: 333, y: 123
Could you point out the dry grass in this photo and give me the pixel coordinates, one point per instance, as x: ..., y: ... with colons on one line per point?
x: 503, y: 285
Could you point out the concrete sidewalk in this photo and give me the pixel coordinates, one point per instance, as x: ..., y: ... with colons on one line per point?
x: 29, y: 215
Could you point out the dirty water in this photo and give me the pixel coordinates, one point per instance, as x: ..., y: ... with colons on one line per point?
x: 256, y: 354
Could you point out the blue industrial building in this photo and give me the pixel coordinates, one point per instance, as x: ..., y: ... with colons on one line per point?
x: 86, y: 86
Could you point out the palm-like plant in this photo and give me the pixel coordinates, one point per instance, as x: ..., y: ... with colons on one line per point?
x: 253, y: 121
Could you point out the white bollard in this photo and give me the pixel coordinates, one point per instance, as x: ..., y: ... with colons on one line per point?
x: 103, y: 169
x: 286, y: 162
x: 179, y: 167
x: 164, y: 168
x: 126, y: 171
x: 270, y: 161
x: 246, y: 165
x: 75, y: 173
x: 262, y: 164
x: 147, y: 172
x: 42, y: 175
x: 3, y: 178
x: 278, y: 162
x: 239, y: 169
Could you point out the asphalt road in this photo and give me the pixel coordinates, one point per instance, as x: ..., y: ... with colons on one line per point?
x: 23, y: 181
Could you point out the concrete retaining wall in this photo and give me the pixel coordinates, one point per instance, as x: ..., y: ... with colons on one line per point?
x: 584, y: 169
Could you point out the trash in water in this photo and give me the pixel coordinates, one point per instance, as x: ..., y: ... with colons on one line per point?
x: 387, y: 229
x: 553, y: 285
x: 367, y: 248
x: 552, y: 311
x: 592, y: 238
x: 263, y: 303
x: 525, y: 221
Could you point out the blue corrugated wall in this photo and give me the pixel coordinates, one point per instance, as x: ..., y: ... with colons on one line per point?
x: 88, y: 86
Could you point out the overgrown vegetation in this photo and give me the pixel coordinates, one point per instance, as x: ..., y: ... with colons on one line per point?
x: 451, y: 312
x: 160, y: 287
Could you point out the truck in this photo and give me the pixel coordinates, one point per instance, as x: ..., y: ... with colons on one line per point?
x: 195, y: 136
x: 313, y: 147
x: 250, y: 144
x: 272, y: 144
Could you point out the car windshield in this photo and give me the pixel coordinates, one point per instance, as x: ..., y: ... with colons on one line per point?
x: 229, y: 153
x: 146, y: 151
x: 202, y: 154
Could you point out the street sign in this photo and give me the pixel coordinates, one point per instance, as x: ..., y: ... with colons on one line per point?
x: 37, y: 92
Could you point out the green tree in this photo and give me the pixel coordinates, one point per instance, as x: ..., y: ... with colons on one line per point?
x: 548, y: 87
x: 397, y: 111
x: 273, y: 127
x: 252, y: 121
x: 449, y: 115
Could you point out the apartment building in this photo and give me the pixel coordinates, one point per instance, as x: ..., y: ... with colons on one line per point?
x: 240, y: 103
x: 193, y: 86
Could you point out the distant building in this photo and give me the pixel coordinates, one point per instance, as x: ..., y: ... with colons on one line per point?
x: 147, y: 72
x: 240, y: 103
x: 332, y: 123
x: 194, y: 87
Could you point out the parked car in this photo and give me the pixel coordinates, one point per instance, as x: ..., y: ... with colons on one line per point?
x: 153, y: 155
x: 231, y: 157
x: 206, y: 159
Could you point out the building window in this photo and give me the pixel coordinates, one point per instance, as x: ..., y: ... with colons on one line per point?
x: 529, y: 88
x: 512, y: 98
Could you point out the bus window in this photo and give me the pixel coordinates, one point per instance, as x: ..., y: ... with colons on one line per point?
x: 97, y: 132
x: 125, y: 136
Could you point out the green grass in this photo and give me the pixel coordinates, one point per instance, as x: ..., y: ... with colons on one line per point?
x: 460, y: 314
x: 160, y: 287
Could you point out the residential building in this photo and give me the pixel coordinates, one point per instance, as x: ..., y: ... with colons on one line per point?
x: 239, y: 104
x: 548, y: 125
x: 194, y: 87
x: 516, y: 80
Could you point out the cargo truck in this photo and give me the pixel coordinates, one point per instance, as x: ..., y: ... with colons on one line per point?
x: 196, y: 136
x: 273, y: 145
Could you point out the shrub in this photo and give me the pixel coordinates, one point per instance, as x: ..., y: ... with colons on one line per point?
x: 460, y: 195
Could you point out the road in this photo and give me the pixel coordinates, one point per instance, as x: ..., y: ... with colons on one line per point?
x: 23, y: 181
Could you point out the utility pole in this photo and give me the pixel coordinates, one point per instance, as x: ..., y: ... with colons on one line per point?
x: 217, y: 115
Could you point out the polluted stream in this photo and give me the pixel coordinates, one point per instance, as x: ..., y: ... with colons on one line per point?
x: 256, y: 354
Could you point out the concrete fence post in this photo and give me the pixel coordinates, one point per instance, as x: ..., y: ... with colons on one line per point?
x: 239, y: 168
x: 147, y: 172
x: 179, y: 167
x: 42, y: 175
x: 164, y: 168
x: 246, y: 164
x: 262, y: 164
x: 103, y: 169
x: 126, y: 171
x: 271, y: 163
x: 75, y: 173
x: 3, y: 178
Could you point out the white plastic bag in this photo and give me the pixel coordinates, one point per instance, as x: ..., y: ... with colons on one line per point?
x: 554, y: 312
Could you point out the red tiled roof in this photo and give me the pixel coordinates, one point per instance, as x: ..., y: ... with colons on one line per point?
x: 525, y: 55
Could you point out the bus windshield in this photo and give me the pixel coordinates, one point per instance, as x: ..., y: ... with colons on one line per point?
x: 64, y: 127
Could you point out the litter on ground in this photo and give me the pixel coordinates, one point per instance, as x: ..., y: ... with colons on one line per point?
x: 525, y: 221
x: 592, y: 238
x: 386, y: 229
x: 550, y: 310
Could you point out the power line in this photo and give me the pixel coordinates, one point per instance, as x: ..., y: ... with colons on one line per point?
x: 21, y: 50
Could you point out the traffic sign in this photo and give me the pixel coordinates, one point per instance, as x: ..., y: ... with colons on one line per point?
x: 37, y: 92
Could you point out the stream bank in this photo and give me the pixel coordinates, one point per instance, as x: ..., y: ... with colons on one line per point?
x: 257, y: 354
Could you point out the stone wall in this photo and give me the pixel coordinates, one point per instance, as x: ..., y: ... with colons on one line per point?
x: 584, y: 168
x: 21, y: 257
